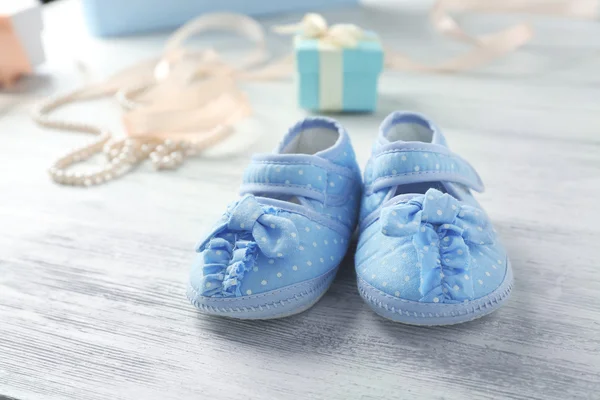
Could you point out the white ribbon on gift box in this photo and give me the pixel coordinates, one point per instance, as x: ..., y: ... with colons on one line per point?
x: 331, y: 77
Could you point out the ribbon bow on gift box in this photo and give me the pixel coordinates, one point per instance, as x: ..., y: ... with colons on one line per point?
x: 314, y: 26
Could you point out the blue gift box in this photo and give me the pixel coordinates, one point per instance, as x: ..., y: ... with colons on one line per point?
x: 124, y: 17
x: 333, y: 78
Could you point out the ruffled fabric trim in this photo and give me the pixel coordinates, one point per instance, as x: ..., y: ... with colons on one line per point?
x: 244, y: 258
x: 217, y: 255
x: 445, y: 264
x: 225, y: 266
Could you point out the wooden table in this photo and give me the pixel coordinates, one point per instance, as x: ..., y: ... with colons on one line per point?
x: 92, y: 281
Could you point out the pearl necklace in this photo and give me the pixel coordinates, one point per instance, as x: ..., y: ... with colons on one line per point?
x: 121, y: 154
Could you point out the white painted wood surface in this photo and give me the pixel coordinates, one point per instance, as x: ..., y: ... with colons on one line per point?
x: 92, y: 282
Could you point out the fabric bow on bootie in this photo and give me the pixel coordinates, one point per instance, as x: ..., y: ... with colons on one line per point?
x: 275, y: 236
x: 440, y: 227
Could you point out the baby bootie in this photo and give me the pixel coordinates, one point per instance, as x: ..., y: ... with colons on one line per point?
x: 276, y: 250
x: 427, y: 252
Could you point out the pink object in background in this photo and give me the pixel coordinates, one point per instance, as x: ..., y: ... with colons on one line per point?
x: 20, y: 42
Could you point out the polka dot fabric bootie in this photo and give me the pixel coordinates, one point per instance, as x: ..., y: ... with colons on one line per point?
x: 276, y: 250
x: 427, y: 253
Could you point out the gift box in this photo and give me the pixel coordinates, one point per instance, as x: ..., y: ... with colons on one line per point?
x: 20, y: 40
x: 124, y: 17
x: 333, y: 77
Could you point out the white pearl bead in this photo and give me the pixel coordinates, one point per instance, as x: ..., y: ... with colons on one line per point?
x: 177, y: 156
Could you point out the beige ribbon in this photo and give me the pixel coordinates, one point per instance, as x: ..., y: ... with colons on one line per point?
x: 487, y: 48
x: 195, y: 92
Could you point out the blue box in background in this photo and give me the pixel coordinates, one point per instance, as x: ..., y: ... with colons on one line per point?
x: 332, y: 78
x: 124, y: 17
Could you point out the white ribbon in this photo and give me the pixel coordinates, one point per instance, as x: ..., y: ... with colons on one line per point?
x: 314, y: 26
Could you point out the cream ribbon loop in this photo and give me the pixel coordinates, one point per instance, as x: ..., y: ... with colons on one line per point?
x: 314, y: 26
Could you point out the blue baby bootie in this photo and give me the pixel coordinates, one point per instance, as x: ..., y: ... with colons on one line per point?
x: 276, y: 250
x: 427, y: 252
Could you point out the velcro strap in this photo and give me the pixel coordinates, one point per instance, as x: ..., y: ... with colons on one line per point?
x: 405, y: 163
x: 298, y: 175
